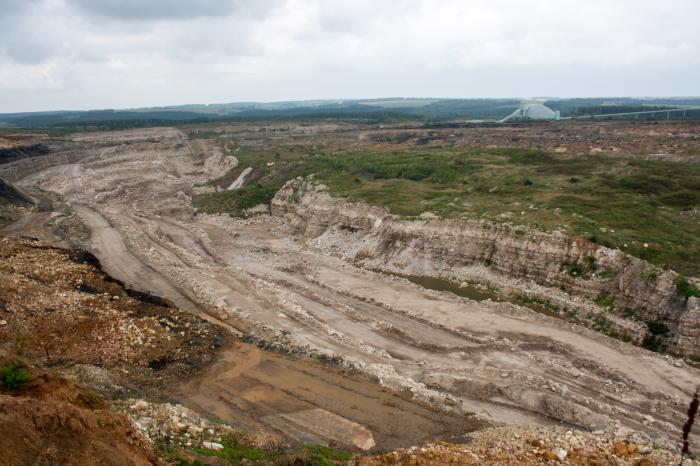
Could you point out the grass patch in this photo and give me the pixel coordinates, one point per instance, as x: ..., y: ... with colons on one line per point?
x: 582, y: 268
x: 685, y: 288
x: 608, y: 274
x: 236, y: 452
x: 539, y: 305
x: 236, y: 202
x: 646, y: 208
x: 649, y: 277
x: 606, y: 301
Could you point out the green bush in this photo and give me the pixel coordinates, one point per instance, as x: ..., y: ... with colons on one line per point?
x: 608, y: 274
x: 607, y: 301
x: 14, y: 375
x: 685, y: 288
x: 589, y: 263
x: 571, y: 268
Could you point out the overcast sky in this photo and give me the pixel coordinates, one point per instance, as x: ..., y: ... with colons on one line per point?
x: 86, y: 54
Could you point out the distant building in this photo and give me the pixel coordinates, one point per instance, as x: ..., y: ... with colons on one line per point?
x: 532, y: 111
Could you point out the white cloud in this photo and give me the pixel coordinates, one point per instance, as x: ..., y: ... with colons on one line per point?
x: 123, y: 53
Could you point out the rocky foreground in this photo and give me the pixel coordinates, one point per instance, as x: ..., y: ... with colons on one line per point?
x: 60, y: 311
x: 530, y: 446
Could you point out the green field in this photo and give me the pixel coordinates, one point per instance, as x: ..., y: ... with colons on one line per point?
x: 650, y: 209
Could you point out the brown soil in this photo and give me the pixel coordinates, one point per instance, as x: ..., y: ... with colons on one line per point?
x: 61, y: 310
x: 52, y: 421
x: 258, y: 390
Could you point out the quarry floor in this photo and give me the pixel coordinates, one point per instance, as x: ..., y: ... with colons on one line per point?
x: 463, y: 363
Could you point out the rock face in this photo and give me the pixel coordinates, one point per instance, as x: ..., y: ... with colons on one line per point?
x: 631, y: 293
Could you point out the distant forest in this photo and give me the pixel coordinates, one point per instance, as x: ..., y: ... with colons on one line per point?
x: 363, y: 111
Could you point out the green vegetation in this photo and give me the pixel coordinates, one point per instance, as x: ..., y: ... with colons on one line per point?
x: 606, y: 301
x: 658, y: 328
x: 653, y: 343
x: 649, y: 277
x: 539, y: 305
x: 685, y: 288
x: 603, y: 325
x: 236, y: 453
x: 608, y: 274
x: 235, y: 202
x: 645, y: 208
x: 14, y: 375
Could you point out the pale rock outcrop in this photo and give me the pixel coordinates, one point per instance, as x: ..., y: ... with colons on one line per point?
x: 522, y: 257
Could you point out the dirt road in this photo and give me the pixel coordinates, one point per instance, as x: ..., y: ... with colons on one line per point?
x: 505, y: 363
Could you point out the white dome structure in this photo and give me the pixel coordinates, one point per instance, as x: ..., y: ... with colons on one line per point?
x: 532, y: 111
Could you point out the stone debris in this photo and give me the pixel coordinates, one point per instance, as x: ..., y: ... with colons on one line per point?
x: 531, y: 446
x: 177, y: 426
x: 66, y: 312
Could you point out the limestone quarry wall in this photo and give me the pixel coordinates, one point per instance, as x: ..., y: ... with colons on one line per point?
x: 450, y: 248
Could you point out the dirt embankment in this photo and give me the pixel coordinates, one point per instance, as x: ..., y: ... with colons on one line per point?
x: 13, y: 202
x: 59, y: 309
x: 556, y: 269
x: 50, y: 420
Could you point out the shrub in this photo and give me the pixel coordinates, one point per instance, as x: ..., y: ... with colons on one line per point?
x: 589, y: 263
x: 652, y: 344
x: 657, y: 328
x: 14, y: 375
x: 685, y: 288
x: 607, y: 301
x: 580, y: 269
x: 571, y: 268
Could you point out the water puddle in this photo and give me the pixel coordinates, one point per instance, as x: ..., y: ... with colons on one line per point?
x: 441, y: 284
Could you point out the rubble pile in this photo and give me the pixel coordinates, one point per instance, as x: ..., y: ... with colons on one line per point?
x: 58, y: 308
x: 531, y: 445
x: 176, y: 426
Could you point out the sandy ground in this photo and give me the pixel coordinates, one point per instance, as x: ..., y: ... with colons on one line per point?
x: 505, y: 364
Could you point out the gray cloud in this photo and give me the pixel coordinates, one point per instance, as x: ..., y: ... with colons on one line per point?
x: 170, y: 9
x: 124, y: 53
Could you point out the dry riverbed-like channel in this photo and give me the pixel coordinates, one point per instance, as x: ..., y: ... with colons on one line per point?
x: 442, y: 359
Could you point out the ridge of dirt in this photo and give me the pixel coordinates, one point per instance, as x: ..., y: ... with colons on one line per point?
x: 51, y: 421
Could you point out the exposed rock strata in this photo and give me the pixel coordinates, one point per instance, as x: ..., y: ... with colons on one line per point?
x: 515, y: 259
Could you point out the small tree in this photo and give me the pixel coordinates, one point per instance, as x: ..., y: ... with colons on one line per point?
x: 14, y: 375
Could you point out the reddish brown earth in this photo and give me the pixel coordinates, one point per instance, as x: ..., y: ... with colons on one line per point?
x: 52, y: 421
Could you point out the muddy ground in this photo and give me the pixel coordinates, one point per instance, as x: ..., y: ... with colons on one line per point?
x: 129, y: 193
